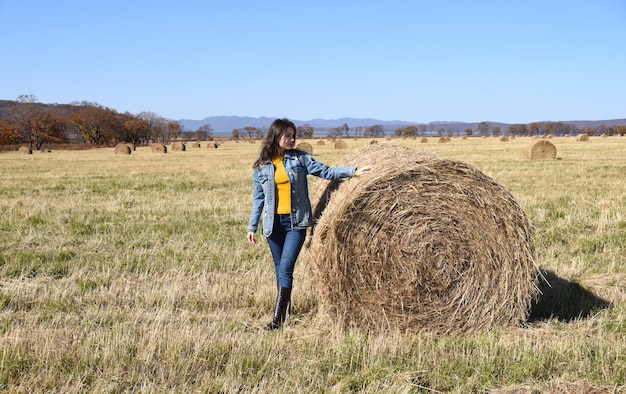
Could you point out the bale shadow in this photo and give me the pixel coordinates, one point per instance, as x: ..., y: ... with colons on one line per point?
x: 564, y: 300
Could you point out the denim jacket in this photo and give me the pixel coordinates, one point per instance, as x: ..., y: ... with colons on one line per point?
x: 298, y: 164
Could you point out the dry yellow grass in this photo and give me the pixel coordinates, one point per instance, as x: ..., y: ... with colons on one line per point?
x: 134, y: 275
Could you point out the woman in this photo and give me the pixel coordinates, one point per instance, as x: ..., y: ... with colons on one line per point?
x: 280, y: 193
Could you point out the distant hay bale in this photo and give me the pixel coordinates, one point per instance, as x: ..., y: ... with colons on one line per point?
x: 24, y: 150
x: 321, y: 143
x: 443, y: 140
x: 604, y: 135
x: 540, y: 149
x: 131, y: 146
x: 122, y: 149
x: 340, y: 144
x: 305, y: 146
x: 424, y: 140
x: 215, y: 144
x: 373, y: 142
x: 424, y: 243
x: 504, y: 138
x: 158, y: 148
x: 179, y: 147
x: 196, y: 145
x: 583, y: 137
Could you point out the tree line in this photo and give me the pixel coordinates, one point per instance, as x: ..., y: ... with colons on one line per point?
x: 32, y: 123
x: 516, y: 129
x: 26, y: 121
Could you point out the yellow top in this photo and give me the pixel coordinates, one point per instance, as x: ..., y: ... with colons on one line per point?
x: 283, y: 188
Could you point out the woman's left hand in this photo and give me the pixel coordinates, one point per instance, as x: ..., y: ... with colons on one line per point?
x: 362, y: 170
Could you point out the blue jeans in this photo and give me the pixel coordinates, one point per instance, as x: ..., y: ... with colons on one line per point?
x: 285, y: 244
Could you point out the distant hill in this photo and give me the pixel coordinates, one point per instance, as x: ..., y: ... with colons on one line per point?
x: 227, y: 123
x: 238, y: 122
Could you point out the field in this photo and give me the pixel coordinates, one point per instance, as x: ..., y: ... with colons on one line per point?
x: 132, y: 274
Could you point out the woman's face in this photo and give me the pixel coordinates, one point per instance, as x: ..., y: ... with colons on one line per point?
x: 287, y: 141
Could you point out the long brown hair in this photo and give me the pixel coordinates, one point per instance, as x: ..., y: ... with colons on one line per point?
x: 269, y: 147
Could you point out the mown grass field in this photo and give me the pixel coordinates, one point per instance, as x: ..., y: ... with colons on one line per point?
x: 132, y: 274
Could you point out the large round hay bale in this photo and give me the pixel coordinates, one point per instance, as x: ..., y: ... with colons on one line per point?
x: 158, y: 148
x: 504, y: 138
x: 341, y: 144
x: 179, y: 147
x: 424, y: 140
x: 321, y: 143
x: 24, y: 150
x: 305, y: 146
x: 131, y: 146
x: 424, y: 243
x: 582, y: 137
x: 122, y: 149
x: 540, y: 149
x: 196, y: 145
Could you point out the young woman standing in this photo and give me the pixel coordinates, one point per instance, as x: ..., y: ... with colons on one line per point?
x: 281, y: 197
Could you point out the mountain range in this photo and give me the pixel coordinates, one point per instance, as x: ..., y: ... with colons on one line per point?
x: 228, y: 123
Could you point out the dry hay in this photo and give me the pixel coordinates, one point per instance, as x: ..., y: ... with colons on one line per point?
x: 582, y: 137
x: 504, y: 138
x: 540, y: 149
x: 340, y: 144
x: 373, y: 142
x: 443, y: 140
x: 305, y: 146
x: 122, y: 149
x: 196, y: 145
x: 321, y: 143
x: 179, y: 146
x: 131, y: 146
x: 158, y: 148
x: 424, y: 140
x: 24, y: 150
x: 424, y: 243
x: 215, y: 144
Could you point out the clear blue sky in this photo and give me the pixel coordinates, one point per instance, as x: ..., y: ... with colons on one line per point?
x: 421, y: 61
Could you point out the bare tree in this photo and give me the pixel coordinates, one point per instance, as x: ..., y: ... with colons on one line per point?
x: 204, y: 132
x: 483, y: 128
x: 304, y: 131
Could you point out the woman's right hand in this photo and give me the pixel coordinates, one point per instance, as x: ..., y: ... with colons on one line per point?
x: 251, y: 238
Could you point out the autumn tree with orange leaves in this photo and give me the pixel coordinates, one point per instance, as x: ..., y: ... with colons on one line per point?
x: 35, y: 124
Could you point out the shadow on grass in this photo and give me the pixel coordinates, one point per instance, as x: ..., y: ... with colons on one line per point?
x: 564, y: 300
